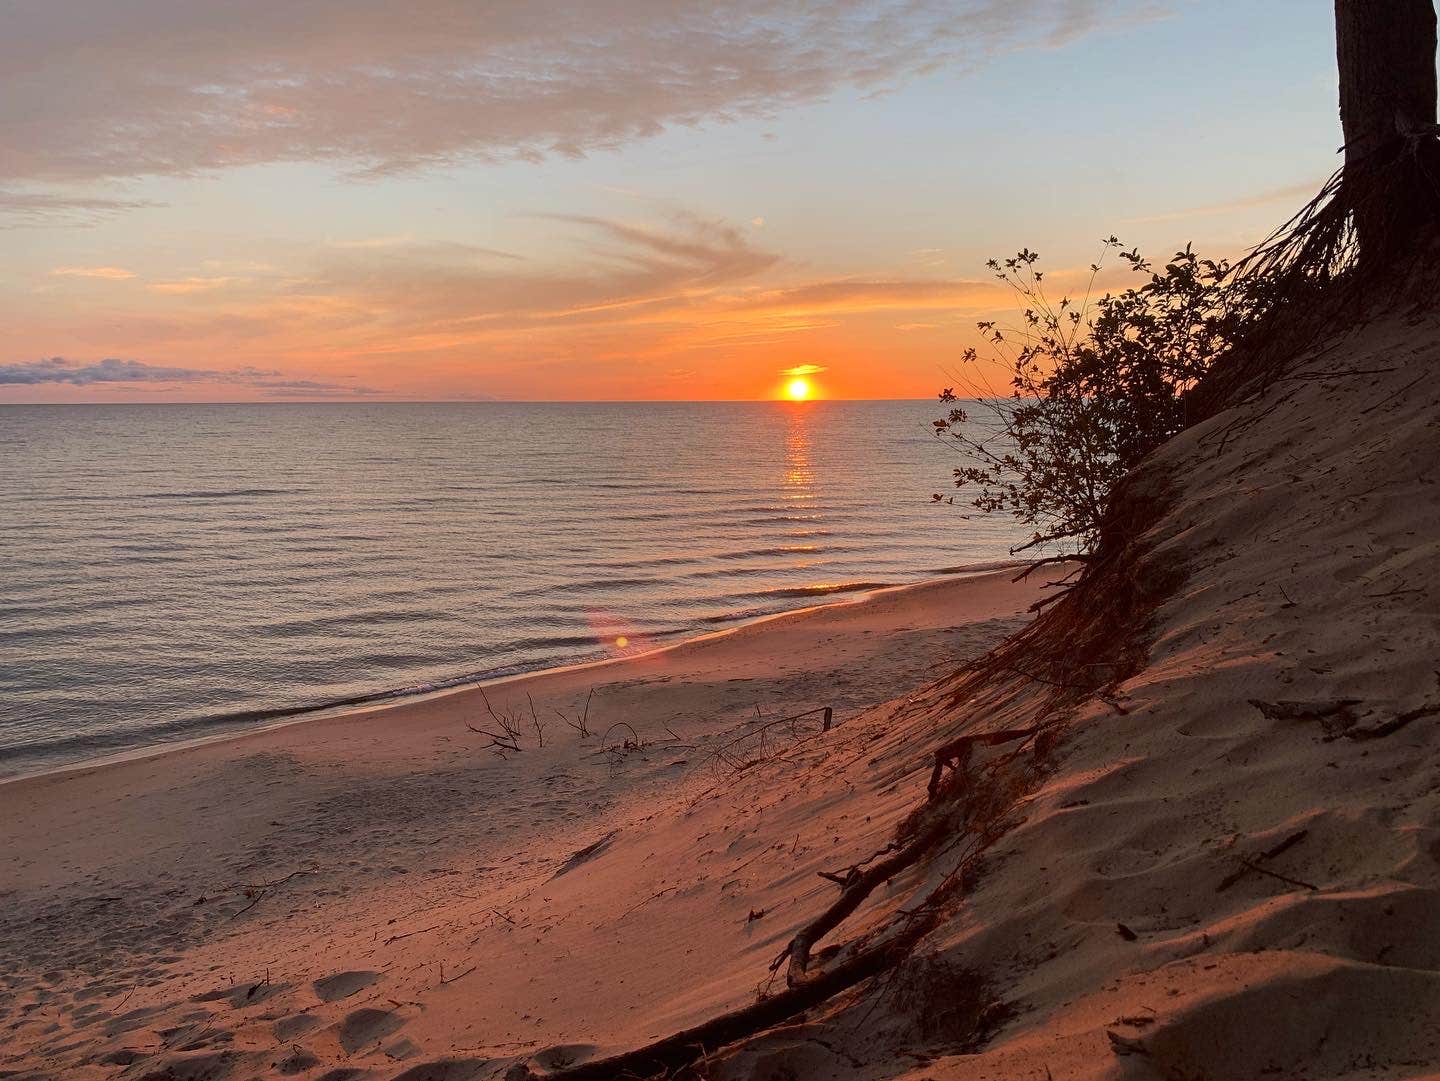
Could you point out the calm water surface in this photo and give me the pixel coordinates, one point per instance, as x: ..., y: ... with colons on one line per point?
x: 172, y: 570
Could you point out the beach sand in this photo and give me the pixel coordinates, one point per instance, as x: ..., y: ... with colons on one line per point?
x: 379, y: 891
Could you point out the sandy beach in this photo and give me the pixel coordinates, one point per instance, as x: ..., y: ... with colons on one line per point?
x: 377, y: 891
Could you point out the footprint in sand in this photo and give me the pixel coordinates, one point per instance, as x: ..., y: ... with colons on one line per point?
x: 402, y: 1049
x: 297, y: 1024
x: 366, y: 1026
x: 562, y: 1056
x: 449, y: 1069
x: 297, y: 1061
x: 242, y: 994
x: 343, y: 984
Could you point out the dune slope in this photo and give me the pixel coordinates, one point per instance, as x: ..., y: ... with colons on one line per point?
x: 1233, y: 871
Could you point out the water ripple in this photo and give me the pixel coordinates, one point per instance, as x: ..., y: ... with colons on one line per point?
x: 178, y: 570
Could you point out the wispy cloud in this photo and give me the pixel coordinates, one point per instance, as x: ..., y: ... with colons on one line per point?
x: 804, y: 369
x: 624, y: 271
x: 854, y: 294
x: 1290, y: 192
x: 189, y: 285
x: 92, y: 89
x: 20, y: 209
x: 312, y: 388
x: 107, y: 273
x: 658, y: 289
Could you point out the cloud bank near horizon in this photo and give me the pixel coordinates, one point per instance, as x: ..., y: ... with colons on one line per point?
x: 113, y: 370
x: 92, y: 90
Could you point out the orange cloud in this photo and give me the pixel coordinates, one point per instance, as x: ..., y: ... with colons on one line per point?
x: 189, y: 285
x: 107, y: 273
x: 633, y: 303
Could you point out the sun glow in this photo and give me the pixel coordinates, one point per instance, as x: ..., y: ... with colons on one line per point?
x: 798, y: 390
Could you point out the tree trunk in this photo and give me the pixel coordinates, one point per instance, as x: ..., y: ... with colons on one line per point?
x: 1386, y: 53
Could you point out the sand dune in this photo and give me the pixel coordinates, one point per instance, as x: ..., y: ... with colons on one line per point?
x: 1233, y: 871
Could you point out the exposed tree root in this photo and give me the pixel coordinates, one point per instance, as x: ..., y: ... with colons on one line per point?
x: 1317, y: 278
x: 969, y: 807
x: 665, y: 1057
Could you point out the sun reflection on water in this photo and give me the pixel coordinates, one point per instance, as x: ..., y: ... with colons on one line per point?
x: 799, y: 473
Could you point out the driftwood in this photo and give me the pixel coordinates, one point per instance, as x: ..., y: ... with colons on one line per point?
x: 672, y: 1053
x: 1335, y: 715
x: 858, y: 887
x: 507, y: 740
x: 1394, y: 725
x: 258, y: 893
x: 860, y: 881
x: 1338, y: 718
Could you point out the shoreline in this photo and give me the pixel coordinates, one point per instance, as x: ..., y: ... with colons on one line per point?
x: 323, y: 894
x: 236, y: 727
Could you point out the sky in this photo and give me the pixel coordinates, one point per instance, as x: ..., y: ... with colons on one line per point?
x: 307, y: 200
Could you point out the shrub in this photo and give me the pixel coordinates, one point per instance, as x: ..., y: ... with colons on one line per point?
x: 1094, y: 387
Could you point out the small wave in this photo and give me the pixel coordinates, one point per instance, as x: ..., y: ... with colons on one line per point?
x: 784, y: 550
x: 224, y: 493
x: 353, y: 622
x: 821, y: 590
x: 737, y: 616
x: 980, y: 568
x: 592, y: 585
x: 773, y: 519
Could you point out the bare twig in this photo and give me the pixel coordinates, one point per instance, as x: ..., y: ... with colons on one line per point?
x: 410, y: 934
x: 459, y: 976
x: 1269, y: 854
x: 582, y: 722
x: 1273, y: 874
x: 1047, y: 561
x: 258, y: 893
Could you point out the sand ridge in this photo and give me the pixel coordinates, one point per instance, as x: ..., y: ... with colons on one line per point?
x: 1234, y: 869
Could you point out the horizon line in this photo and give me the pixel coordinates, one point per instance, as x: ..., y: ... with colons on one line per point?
x: 488, y: 401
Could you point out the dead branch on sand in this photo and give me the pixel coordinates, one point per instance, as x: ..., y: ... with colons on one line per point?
x: 1247, y: 865
x: 581, y: 720
x: 258, y: 893
x: 535, y: 721
x: 752, y: 747
x: 507, y: 739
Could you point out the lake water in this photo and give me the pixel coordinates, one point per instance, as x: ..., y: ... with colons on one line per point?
x: 171, y: 570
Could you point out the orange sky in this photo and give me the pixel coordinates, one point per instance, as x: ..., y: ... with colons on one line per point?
x: 424, y: 203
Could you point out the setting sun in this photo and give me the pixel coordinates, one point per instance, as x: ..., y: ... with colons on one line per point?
x: 798, y: 390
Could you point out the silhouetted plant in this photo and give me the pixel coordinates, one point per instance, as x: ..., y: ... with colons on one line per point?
x: 1094, y: 386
